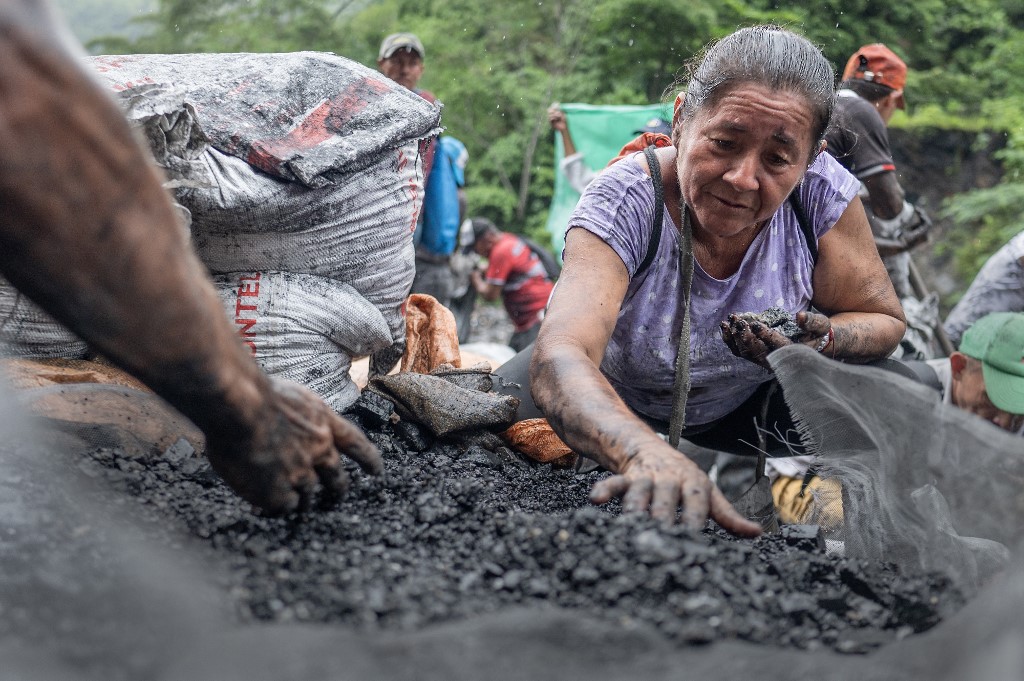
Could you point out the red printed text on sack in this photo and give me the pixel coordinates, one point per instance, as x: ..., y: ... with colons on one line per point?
x: 248, y: 287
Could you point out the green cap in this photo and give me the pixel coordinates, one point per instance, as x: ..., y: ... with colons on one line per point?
x: 997, y: 339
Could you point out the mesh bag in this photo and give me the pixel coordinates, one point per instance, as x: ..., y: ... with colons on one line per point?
x: 170, y: 128
x: 359, y: 233
x: 431, y: 337
x: 922, y: 319
x: 925, y: 485
x: 26, y: 331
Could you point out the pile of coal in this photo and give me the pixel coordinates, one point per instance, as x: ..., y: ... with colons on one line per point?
x: 456, y: 531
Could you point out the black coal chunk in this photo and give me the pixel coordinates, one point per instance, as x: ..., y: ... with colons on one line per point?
x: 805, y: 537
x: 373, y: 410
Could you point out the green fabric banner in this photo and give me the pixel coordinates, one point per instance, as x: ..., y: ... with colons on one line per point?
x: 598, y: 133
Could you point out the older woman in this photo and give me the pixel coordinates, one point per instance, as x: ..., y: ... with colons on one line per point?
x: 747, y: 133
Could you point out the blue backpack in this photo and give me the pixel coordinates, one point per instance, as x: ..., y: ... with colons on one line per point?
x: 439, y: 230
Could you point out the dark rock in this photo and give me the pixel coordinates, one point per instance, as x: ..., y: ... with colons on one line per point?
x: 795, y: 603
x: 508, y: 457
x: 373, y: 409
x: 180, y: 450
x: 861, y: 640
x: 804, y: 537
x: 858, y: 584
x: 776, y: 318
x: 475, y: 438
x: 653, y: 547
x: 482, y: 457
x: 412, y: 435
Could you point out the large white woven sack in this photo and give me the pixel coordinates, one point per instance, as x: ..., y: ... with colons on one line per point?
x: 312, y: 164
x: 303, y: 116
x: 305, y: 328
x: 26, y: 331
x: 358, y: 232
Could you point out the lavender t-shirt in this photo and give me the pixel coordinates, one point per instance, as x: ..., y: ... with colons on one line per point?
x: 640, y: 358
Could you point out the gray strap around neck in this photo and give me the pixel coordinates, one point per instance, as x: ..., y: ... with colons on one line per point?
x: 681, y: 384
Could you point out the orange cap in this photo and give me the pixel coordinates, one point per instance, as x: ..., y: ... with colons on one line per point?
x: 876, y: 63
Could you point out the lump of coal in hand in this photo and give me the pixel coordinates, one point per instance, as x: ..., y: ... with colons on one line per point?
x: 776, y: 318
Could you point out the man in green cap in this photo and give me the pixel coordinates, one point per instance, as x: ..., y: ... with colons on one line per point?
x: 986, y: 376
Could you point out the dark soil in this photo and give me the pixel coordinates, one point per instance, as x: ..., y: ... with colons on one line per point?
x: 454, y: 532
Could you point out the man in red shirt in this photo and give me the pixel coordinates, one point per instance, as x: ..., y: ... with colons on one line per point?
x: 516, y: 274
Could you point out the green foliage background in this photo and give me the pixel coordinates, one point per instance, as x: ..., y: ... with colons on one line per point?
x: 498, y: 65
x: 92, y: 19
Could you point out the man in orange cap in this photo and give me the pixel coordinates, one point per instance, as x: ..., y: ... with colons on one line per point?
x: 871, y: 91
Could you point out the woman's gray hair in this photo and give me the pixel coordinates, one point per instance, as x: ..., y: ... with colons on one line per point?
x: 766, y: 55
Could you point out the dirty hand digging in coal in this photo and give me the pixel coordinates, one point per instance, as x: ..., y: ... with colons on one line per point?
x: 662, y: 483
x: 299, y: 444
x: 89, y: 233
x: 751, y: 337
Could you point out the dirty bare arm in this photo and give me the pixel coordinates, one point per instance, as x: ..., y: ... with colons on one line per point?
x: 89, y: 233
x: 591, y: 418
x: 852, y: 287
x: 488, y: 291
x: 559, y: 123
x: 885, y: 195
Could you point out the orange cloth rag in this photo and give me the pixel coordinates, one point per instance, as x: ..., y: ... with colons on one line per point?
x: 431, y: 338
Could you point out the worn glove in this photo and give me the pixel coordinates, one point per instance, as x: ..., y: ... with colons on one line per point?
x: 905, y: 231
x: 915, y: 232
x: 449, y: 400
